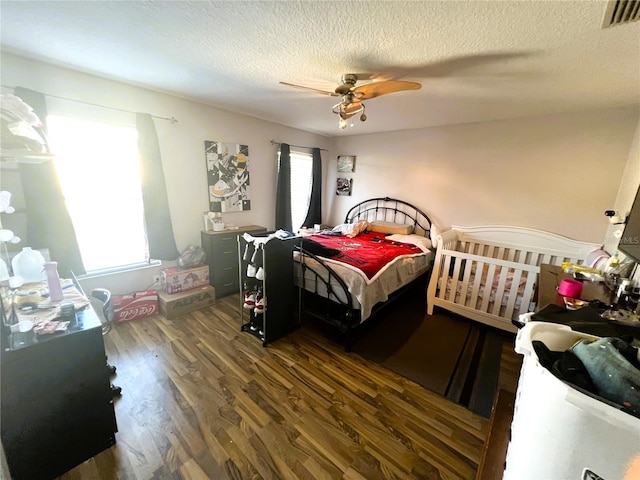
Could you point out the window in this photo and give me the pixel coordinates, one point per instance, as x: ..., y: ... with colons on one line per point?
x: 301, y: 181
x: 98, y: 167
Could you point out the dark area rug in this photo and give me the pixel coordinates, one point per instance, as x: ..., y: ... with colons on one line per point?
x: 446, y: 353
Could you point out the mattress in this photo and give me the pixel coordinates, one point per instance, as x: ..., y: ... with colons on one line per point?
x: 365, y: 294
x: 492, y: 290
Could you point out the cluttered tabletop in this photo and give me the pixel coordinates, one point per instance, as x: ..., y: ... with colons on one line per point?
x: 588, y: 301
x: 32, y: 317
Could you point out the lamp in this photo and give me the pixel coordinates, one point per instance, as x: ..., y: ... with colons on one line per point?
x: 348, y: 107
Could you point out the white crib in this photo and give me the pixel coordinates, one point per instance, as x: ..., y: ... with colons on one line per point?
x: 489, y: 273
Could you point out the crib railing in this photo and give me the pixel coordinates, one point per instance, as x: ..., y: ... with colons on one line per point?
x: 490, y: 273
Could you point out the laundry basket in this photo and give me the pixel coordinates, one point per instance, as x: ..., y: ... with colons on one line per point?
x: 557, y: 431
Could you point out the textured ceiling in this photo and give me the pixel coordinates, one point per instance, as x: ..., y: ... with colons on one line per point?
x: 477, y: 60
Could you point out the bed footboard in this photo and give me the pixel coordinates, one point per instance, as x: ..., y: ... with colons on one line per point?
x: 489, y: 274
x: 324, y: 295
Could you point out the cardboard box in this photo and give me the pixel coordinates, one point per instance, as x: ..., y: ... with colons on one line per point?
x: 135, y: 305
x: 176, y: 279
x: 174, y: 305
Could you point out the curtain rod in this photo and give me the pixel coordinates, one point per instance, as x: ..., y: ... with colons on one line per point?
x: 173, y: 120
x: 273, y: 142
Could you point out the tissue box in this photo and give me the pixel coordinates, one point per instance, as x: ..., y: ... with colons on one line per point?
x: 174, y: 305
x: 135, y: 305
x: 176, y: 279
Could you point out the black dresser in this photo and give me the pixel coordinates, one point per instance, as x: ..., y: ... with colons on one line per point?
x: 222, y: 256
x: 56, y: 402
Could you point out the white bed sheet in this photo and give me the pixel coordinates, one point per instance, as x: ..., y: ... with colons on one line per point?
x: 365, y: 295
x: 493, y: 290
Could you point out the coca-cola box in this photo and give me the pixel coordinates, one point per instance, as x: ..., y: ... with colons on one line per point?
x: 133, y: 306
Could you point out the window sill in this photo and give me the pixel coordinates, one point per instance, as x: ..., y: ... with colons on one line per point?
x: 123, y: 269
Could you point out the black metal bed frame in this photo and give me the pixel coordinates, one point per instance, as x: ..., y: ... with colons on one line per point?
x: 336, y: 307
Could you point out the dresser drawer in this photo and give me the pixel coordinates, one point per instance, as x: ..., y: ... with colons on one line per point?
x: 226, y: 283
x: 223, y: 239
x: 222, y: 256
x: 224, y: 274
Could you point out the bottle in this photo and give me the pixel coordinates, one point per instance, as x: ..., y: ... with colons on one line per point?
x: 612, y: 263
x: 53, y: 281
x: 622, y: 293
x: 28, y: 265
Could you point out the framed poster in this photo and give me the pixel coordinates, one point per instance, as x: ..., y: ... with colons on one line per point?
x: 344, y: 186
x: 346, y: 163
x: 227, y: 176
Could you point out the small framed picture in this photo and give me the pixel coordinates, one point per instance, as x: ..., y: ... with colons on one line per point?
x: 343, y: 186
x: 346, y: 163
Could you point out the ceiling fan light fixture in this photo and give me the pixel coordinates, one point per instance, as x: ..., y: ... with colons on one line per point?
x: 352, y: 96
x: 347, y: 109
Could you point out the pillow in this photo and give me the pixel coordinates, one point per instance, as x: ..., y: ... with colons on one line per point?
x: 358, y: 228
x: 433, y: 233
x: 423, y: 243
x: 390, y: 227
x: 352, y: 229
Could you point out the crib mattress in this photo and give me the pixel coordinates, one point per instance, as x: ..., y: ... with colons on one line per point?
x: 492, y: 294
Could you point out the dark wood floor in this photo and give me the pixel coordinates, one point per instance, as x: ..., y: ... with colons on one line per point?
x: 201, y: 400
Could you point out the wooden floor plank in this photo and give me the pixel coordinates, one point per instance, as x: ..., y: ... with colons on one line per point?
x: 201, y: 399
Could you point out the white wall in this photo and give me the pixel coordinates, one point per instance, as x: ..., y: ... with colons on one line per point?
x: 626, y: 193
x: 181, y: 144
x: 557, y: 173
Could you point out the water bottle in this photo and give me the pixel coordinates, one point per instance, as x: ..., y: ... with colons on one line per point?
x: 53, y: 281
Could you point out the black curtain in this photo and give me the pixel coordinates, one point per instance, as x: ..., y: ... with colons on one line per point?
x: 48, y: 222
x: 283, y: 189
x: 314, y: 215
x: 162, y: 244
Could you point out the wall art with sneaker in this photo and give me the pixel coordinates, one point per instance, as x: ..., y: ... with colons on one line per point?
x: 227, y: 176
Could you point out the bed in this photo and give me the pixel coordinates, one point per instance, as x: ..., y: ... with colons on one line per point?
x: 489, y: 273
x: 341, y: 293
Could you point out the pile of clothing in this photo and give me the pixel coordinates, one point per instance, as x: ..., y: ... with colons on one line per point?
x: 608, y: 368
x: 20, y: 127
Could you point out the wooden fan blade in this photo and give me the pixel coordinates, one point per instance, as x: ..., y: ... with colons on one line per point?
x: 375, y: 89
x: 324, y: 92
x: 353, y: 108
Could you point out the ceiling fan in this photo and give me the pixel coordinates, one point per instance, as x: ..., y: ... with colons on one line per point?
x: 352, y: 95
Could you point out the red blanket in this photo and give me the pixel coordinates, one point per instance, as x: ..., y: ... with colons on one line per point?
x: 369, y: 252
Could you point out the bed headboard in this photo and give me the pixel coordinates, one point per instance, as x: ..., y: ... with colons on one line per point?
x: 390, y: 210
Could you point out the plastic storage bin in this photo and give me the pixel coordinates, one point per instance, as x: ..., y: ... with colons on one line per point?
x: 557, y: 431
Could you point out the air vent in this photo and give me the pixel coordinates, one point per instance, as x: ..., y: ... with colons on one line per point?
x: 619, y: 12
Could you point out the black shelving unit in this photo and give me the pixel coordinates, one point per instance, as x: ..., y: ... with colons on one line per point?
x: 281, y: 313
